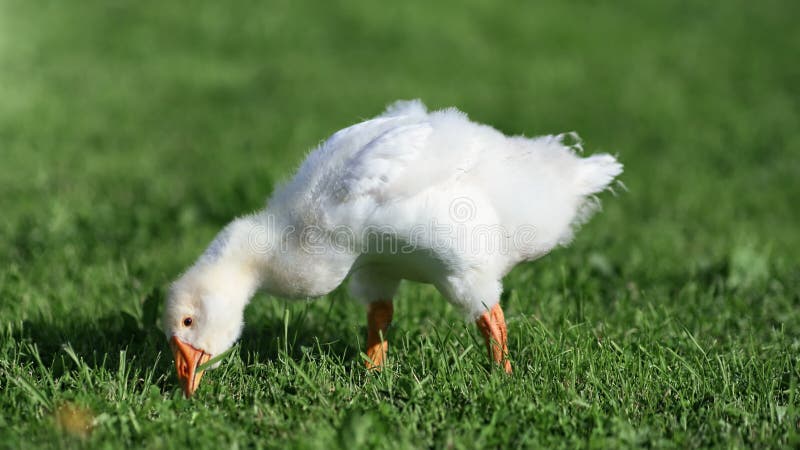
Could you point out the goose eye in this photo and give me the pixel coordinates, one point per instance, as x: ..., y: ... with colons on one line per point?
x: 187, y: 322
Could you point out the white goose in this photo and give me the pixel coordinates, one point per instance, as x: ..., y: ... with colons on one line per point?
x: 410, y: 194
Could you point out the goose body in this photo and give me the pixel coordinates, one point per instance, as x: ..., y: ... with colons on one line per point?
x: 410, y: 194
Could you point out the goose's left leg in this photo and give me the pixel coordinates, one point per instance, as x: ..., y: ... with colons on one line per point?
x: 368, y: 284
x: 379, y: 317
x: 492, y: 324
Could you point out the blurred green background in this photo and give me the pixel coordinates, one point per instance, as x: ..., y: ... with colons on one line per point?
x: 131, y: 132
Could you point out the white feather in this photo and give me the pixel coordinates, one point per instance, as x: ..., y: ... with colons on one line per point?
x: 429, y: 197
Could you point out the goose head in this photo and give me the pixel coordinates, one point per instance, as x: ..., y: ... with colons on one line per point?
x: 204, y: 317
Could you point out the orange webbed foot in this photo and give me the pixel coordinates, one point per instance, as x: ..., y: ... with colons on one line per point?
x: 493, y: 327
x: 379, y: 317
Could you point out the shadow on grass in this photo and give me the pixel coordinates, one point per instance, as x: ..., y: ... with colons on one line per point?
x: 104, y: 342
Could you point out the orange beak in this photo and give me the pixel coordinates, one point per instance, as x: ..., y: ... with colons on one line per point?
x: 187, y: 359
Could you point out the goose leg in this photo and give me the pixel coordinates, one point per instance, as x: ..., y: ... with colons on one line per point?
x: 379, y: 317
x: 493, y: 326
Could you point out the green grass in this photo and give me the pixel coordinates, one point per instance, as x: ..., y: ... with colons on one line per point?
x: 130, y: 132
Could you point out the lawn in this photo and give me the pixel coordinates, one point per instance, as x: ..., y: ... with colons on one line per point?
x: 131, y: 132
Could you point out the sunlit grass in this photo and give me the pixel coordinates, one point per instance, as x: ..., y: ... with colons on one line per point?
x: 131, y: 133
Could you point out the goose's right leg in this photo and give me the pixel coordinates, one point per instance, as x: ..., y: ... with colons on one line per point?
x: 492, y: 324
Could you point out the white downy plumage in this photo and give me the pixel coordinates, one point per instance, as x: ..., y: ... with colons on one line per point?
x: 410, y: 194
